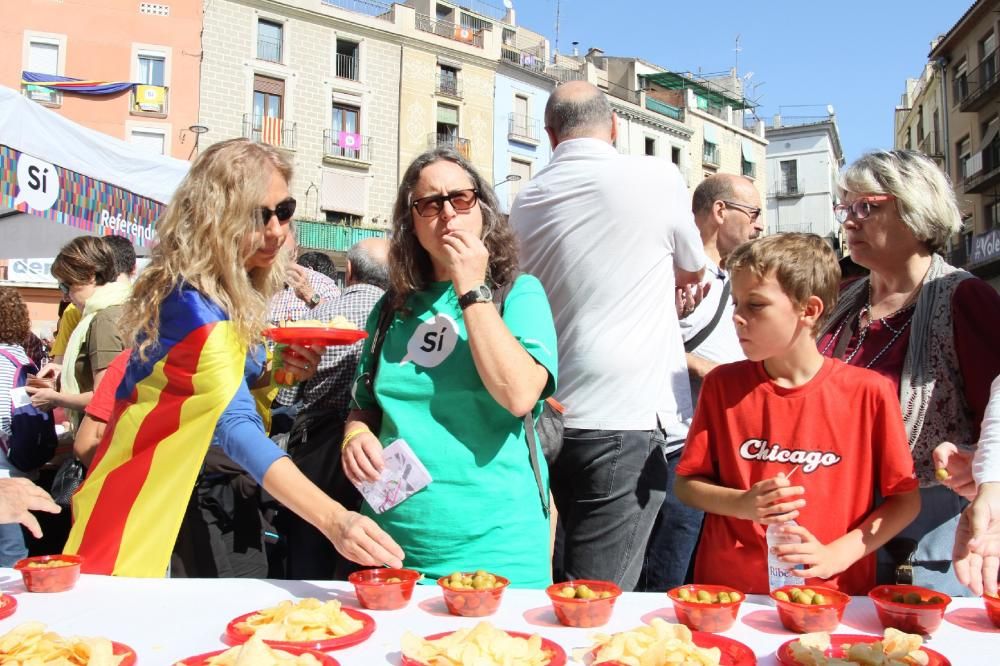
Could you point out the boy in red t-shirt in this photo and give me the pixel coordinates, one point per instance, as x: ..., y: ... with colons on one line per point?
x: 788, y: 408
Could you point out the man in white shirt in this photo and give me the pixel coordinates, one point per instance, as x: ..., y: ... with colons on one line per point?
x: 727, y: 211
x: 606, y: 234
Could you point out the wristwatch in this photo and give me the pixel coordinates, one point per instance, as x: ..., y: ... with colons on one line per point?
x: 481, y: 294
x: 314, y: 300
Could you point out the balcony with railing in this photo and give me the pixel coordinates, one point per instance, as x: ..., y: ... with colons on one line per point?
x: 448, y: 85
x: 347, y: 146
x: 268, y: 49
x: 931, y: 146
x: 273, y: 131
x: 524, y: 129
x: 710, y: 154
x: 664, y: 109
x: 565, y: 74
x: 449, y: 30
x: 960, y: 88
x: 331, y: 236
x: 531, y: 58
x: 460, y: 145
x: 983, y: 85
x: 346, y: 67
x: 148, y: 100
x: 983, y: 172
x: 374, y: 8
x: 788, y: 190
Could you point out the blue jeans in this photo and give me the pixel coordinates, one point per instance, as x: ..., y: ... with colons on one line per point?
x: 12, y: 546
x: 608, y: 487
x: 670, y: 552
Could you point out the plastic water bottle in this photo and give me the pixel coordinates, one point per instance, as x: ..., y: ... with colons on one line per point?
x: 780, y: 573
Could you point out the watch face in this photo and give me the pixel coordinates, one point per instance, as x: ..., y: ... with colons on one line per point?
x: 484, y: 294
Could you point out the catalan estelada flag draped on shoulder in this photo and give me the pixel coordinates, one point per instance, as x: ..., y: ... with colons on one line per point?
x: 128, y: 511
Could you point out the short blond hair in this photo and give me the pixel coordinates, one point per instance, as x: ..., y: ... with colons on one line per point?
x: 803, y: 264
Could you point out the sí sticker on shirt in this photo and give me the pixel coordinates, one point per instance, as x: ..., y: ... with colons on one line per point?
x: 402, y: 476
x: 432, y: 342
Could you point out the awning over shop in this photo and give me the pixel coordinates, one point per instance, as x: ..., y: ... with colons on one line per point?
x: 748, y: 151
x: 711, y: 133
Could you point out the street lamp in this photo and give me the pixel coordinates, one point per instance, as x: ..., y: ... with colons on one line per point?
x: 197, y: 130
x: 509, y: 179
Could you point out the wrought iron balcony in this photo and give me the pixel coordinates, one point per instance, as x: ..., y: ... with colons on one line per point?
x: 268, y: 49
x: 380, y: 10
x: 346, y: 67
x: 330, y: 236
x: 459, y: 33
x: 448, y: 85
x: 788, y: 190
x: 524, y: 128
x: 461, y: 146
x: 987, y: 175
x: 272, y: 131
x: 527, y: 58
x: 983, y: 85
x: 346, y: 145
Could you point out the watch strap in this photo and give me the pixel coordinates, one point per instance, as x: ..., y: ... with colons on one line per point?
x: 481, y: 294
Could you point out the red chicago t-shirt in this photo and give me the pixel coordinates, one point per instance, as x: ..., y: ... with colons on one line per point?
x: 844, y: 429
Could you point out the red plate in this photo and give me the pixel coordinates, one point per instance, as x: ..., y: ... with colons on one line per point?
x: 785, y: 657
x: 235, y: 636
x: 199, y: 660
x: 315, y: 336
x: 734, y: 653
x: 558, y: 654
x: 8, y: 605
x: 120, y: 649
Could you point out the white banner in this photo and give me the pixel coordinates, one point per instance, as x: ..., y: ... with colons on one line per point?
x: 31, y: 271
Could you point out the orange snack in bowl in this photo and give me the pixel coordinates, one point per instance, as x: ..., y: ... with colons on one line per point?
x: 583, y: 603
x: 472, y: 594
x: 711, y: 608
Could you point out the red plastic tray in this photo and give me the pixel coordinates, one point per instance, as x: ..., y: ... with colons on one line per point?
x: 558, y: 654
x: 122, y: 649
x: 199, y: 660
x: 785, y: 657
x: 235, y: 636
x: 8, y: 605
x: 315, y: 336
x: 734, y: 653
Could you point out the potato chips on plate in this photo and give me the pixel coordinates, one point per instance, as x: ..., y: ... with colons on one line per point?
x: 255, y: 652
x: 30, y: 643
x: 661, y: 643
x: 309, y: 623
x: 895, y: 648
x: 482, y: 645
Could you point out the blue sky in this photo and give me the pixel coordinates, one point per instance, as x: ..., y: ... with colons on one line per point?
x: 851, y: 54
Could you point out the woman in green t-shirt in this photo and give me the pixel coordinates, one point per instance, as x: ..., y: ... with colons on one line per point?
x: 455, y: 378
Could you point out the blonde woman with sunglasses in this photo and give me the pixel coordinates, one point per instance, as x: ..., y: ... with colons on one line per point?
x: 927, y: 326
x: 194, y: 320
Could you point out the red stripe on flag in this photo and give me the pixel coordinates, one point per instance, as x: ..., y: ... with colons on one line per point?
x: 102, y: 537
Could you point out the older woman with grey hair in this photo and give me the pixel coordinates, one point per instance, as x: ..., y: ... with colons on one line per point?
x: 927, y: 326
x: 454, y: 377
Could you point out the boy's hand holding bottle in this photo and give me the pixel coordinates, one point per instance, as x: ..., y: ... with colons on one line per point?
x: 810, y: 557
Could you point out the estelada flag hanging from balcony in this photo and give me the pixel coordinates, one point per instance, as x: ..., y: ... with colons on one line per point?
x: 80, y: 86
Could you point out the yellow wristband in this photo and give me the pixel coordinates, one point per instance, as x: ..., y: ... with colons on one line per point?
x: 352, y: 434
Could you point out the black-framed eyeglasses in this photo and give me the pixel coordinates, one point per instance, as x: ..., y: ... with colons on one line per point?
x: 751, y: 212
x: 64, y: 288
x: 859, y: 209
x: 284, y: 211
x: 461, y: 201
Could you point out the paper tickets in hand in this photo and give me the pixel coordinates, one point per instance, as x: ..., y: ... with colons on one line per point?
x: 402, y: 476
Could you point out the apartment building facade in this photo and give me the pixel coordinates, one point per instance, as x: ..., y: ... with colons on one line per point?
x: 966, y: 59
x: 150, y: 49
x: 803, y: 163
x: 521, y: 147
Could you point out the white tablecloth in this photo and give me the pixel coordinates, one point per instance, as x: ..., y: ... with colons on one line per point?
x: 169, y: 619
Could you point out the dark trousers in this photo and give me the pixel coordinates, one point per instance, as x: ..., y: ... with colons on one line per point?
x: 314, y: 446
x: 670, y: 553
x: 608, y: 487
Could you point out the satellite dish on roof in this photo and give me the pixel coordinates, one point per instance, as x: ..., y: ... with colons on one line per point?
x: 508, y: 4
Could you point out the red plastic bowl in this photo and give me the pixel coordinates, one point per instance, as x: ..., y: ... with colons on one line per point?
x: 807, y: 618
x: 708, y: 617
x: 50, y: 579
x: 375, y: 592
x: 921, y: 618
x: 473, y: 603
x: 202, y: 659
x: 993, y: 609
x: 573, y: 612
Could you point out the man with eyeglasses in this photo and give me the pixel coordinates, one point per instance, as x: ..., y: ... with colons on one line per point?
x: 727, y: 211
x: 609, y: 236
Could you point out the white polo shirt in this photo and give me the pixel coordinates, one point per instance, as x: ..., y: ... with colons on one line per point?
x: 603, y: 232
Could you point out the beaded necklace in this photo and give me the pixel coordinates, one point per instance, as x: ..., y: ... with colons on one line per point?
x: 865, y: 323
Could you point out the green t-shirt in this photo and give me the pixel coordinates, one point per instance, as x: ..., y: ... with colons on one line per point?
x: 482, y: 509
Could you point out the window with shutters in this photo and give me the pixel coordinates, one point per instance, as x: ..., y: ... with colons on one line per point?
x: 43, y: 58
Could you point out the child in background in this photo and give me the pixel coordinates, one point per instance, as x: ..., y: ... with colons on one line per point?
x: 788, y: 408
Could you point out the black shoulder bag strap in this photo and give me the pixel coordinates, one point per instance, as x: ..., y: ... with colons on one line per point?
x: 693, y: 343
x: 500, y: 293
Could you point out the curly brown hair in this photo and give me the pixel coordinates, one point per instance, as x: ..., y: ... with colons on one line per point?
x: 410, y: 268
x: 15, y: 324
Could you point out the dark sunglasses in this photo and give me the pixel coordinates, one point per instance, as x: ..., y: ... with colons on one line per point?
x: 859, y: 209
x: 283, y: 210
x: 752, y: 213
x: 64, y: 288
x: 461, y: 201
